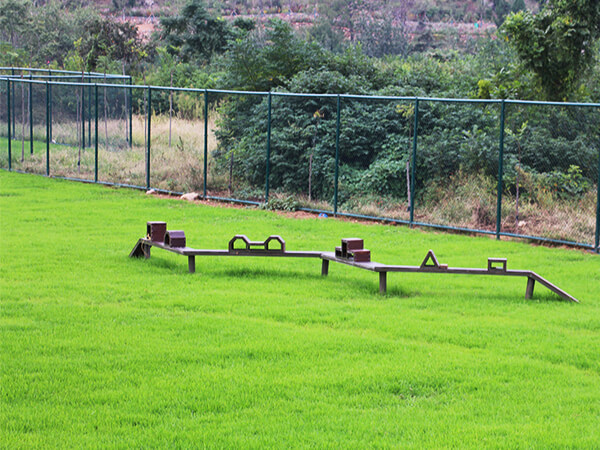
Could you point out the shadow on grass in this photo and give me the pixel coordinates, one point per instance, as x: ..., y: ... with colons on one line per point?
x: 355, y: 286
x: 160, y: 263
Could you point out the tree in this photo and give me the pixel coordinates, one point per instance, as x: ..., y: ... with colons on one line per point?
x: 45, y: 33
x: 196, y: 34
x: 14, y: 18
x: 343, y: 14
x: 381, y: 36
x: 329, y: 37
x: 105, y: 36
x: 268, y: 58
x: 557, y: 43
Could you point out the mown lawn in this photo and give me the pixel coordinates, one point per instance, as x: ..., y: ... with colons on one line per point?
x: 100, y: 350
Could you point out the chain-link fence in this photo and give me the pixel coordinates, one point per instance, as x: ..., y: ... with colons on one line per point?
x: 505, y: 168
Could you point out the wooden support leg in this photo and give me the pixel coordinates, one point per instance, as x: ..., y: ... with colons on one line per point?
x: 325, y: 267
x: 191, y: 263
x: 382, y: 282
x: 530, y: 286
x: 146, y: 250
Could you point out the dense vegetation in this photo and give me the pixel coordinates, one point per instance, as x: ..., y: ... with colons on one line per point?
x: 194, y: 48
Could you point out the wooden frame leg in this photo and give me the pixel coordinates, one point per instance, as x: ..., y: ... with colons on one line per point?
x: 146, y: 250
x: 325, y: 267
x: 191, y: 263
x: 382, y: 282
x: 530, y: 286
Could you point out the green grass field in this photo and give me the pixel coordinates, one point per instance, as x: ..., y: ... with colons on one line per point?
x: 100, y: 350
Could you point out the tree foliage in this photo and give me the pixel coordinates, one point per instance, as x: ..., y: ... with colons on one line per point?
x: 104, y: 37
x: 557, y: 43
x: 194, y: 34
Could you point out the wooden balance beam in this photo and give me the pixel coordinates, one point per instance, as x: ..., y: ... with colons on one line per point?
x: 383, y: 270
x: 240, y: 245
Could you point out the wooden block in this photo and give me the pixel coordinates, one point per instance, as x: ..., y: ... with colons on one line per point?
x: 361, y: 255
x: 275, y: 238
x: 350, y: 244
x: 430, y: 257
x: 236, y: 238
x: 175, y: 238
x: 493, y: 267
x: 156, y: 231
x: 338, y: 252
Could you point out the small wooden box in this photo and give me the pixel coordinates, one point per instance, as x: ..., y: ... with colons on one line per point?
x: 350, y: 244
x: 361, y: 255
x: 175, y: 238
x: 156, y: 231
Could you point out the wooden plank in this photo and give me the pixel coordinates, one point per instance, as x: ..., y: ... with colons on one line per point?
x: 372, y: 266
x: 137, y: 251
x: 554, y: 288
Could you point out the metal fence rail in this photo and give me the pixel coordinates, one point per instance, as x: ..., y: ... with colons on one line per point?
x: 499, y: 167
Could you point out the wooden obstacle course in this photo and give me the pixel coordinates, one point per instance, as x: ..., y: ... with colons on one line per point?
x: 350, y: 253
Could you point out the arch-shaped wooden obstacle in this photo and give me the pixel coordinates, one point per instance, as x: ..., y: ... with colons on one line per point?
x: 351, y: 253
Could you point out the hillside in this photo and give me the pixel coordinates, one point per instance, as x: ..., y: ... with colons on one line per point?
x: 439, y: 23
x: 305, y: 11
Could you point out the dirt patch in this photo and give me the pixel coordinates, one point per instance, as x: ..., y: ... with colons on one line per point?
x: 304, y: 215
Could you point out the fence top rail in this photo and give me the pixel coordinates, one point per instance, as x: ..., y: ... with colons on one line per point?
x: 73, y: 83
x: 68, y: 77
x: 461, y: 100
x: 30, y: 69
x: 19, y: 79
x: 541, y: 103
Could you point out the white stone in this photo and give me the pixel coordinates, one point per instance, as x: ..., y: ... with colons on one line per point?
x: 190, y: 196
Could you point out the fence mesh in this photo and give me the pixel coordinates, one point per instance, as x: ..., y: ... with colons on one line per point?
x: 375, y: 157
x: 302, y: 152
x: 457, y: 164
x: 550, y: 171
x: 118, y: 161
x: 445, y: 176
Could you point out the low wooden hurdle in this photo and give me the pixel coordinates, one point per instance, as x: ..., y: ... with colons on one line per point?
x: 350, y: 253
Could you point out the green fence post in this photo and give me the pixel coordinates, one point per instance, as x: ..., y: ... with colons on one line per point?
x: 95, y: 133
x: 50, y: 115
x: 130, y: 112
x: 48, y: 119
x: 149, y: 113
x: 89, y: 113
x: 83, y: 117
x: 8, y: 106
x: 414, y: 162
x: 30, y: 115
x: 205, y: 138
x: 598, y: 207
x: 13, y: 104
x: 337, y: 156
x: 268, y: 169
x: 500, y: 170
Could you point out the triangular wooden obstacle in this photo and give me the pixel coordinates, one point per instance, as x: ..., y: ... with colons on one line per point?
x: 435, y: 264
